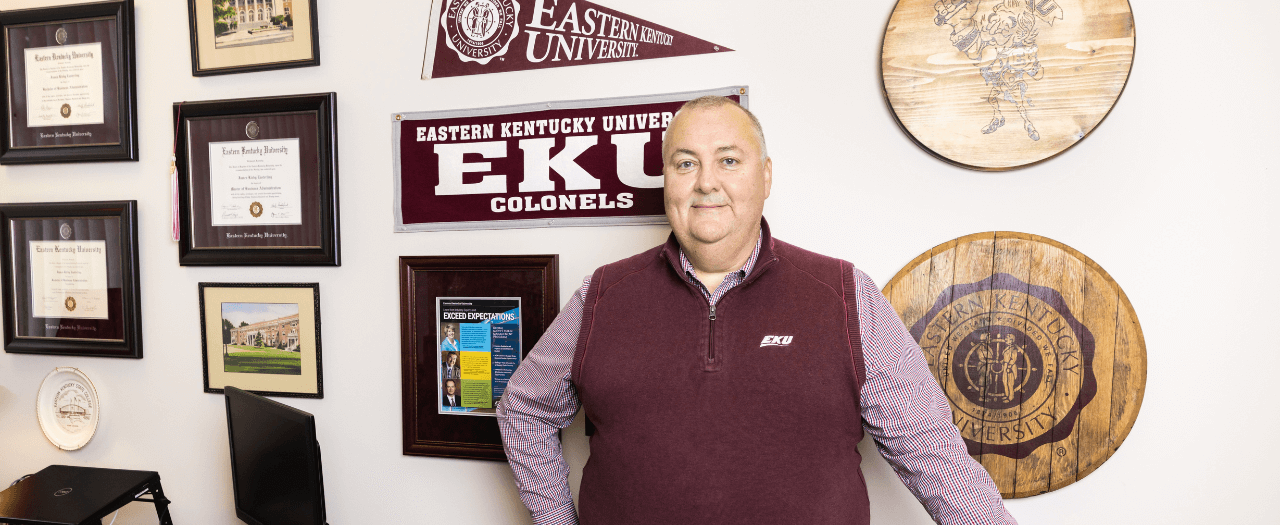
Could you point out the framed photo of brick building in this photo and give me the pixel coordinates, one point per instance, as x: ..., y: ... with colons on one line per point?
x: 262, y: 337
x: 466, y: 322
x: 239, y: 36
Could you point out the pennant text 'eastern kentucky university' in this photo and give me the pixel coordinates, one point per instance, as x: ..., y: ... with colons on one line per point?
x: 473, y: 37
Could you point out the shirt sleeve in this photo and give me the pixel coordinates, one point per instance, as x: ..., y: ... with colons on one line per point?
x: 538, y: 402
x: 907, y: 414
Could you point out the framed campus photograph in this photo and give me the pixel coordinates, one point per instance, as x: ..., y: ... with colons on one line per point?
x: 70, y: 278
x: 258, y: 181
x: 262, y: 337
x: 70, y: 93
x: 239, y: 36
x: 466, y: 324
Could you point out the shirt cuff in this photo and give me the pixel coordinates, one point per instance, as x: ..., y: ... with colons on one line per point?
x: 562, y: 515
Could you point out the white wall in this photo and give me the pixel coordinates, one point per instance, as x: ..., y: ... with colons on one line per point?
x: 1173, y: 195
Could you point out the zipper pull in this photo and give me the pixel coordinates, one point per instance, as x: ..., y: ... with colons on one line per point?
x: 713, y: 312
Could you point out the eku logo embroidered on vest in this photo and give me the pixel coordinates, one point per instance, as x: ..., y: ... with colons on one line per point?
x: 776, y: 340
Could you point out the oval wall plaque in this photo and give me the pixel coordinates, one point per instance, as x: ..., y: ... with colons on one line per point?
x: 1003, y: 84
x: 1037, y: 348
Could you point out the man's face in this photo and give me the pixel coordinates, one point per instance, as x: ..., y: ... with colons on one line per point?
x: 715, y: 181
x: 450, y: 387
x: 453, y: 359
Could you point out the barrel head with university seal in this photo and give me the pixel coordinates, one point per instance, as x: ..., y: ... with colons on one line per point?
x: 1038, y: 350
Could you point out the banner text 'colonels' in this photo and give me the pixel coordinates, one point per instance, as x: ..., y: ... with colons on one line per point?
x: 585, y: 163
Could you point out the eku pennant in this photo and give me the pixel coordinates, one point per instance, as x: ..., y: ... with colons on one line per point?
x: 473, y: 37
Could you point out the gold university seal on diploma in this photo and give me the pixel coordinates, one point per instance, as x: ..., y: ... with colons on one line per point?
x: 66, y: 111
x: 255, y: 209
x: 70, y: 303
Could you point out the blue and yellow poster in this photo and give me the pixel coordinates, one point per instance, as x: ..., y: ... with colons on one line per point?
x: 479, y: 349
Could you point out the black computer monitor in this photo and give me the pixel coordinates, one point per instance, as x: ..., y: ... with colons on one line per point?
x: 275, y: 461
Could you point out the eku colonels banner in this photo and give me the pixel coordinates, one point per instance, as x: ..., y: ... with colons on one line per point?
x: 473, y: 37
x: 577, y: 163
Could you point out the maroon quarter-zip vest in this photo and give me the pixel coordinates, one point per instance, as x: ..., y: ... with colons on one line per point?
x: 750, y: 415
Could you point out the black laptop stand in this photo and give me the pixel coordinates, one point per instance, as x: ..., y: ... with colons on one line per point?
x: 65, y: 495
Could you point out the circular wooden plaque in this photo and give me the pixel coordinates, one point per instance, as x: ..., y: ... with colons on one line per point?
x: 1037, y: 348
x: 1003, y: 84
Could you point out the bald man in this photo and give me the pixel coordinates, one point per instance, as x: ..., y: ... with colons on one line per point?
x: 677, y: 355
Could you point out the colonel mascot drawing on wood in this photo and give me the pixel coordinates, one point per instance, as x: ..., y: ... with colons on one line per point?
x: 1009, y: 27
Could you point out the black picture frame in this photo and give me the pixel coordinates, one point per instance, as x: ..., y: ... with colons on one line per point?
x: 254, y: 62
x: 532, y: 278
x: 73, y: 221
x: 72, y: 143
x: 273, y: 381
x: 319, y: 233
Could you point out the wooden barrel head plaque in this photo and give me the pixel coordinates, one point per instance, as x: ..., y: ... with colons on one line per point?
x: 1037, y: 348
x: 1003, y: 84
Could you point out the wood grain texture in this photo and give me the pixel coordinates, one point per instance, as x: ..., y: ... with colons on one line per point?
x: 1011, y: 256
x: 1003, y: 84
x: 1037, y: 349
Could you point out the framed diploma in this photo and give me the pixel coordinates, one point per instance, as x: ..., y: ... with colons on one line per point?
x: 466, y: 322
x: 238, y: 36
x: 258, y: 181
x: 262, y: 337
x: 70, y: 278
x: 70, y: 93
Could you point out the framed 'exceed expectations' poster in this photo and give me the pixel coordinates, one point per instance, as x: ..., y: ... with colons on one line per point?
x: 479, y: 351
x: 69, y: 84
x: 258, y: 181
x: 466, y: 322
x: 70, y: 278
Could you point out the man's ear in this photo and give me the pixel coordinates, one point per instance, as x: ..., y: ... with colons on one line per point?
x: 768, y: 176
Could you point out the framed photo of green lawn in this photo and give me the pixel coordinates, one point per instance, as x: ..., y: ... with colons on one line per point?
x: 262, y: 337
x: 239, y: 36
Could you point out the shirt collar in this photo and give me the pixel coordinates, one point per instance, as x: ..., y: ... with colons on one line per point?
x: 692, y: 274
